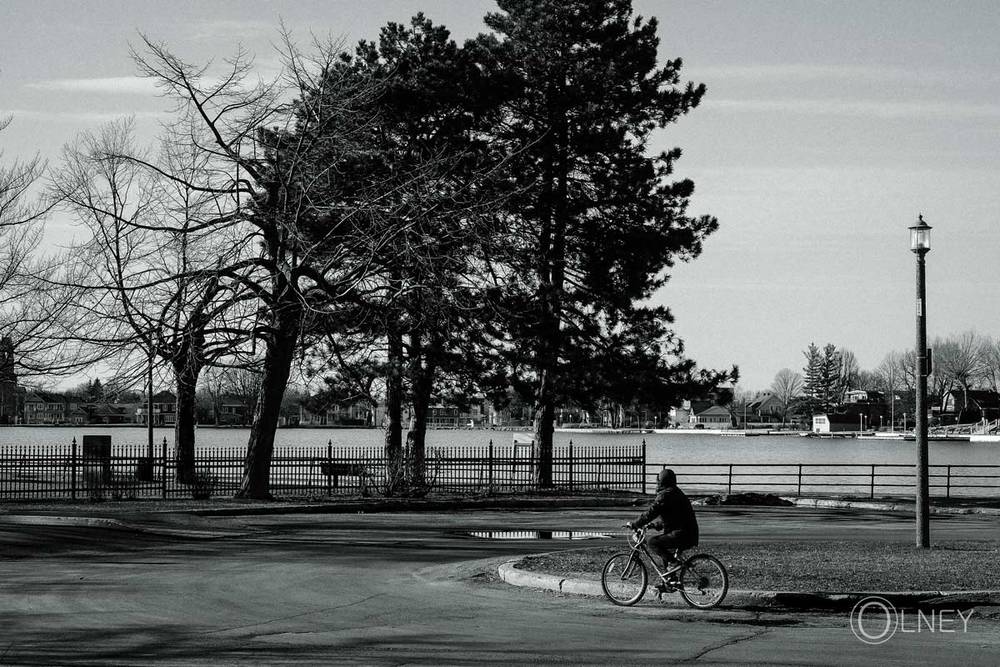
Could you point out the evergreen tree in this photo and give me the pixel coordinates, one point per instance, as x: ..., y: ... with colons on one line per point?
x: 823, y: 385
x: 594, y: 221
x: 95, y: 391
x: 811, y: 383
x: 425, y: 148
x: 831, y: 373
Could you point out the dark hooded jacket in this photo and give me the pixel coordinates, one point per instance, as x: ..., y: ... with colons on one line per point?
x: 672, y: 508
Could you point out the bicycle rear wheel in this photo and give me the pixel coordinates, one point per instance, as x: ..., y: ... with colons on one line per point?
x: 704, y: 581
x: 624, y: 578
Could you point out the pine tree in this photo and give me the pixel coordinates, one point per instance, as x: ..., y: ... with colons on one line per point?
x: 812, y: 384
x: 595, y: 222
x: 426, y: 141
x: 830, y: 377
x: 824, y: 377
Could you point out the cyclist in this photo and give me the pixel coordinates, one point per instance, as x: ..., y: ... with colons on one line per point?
x: 673, y: 513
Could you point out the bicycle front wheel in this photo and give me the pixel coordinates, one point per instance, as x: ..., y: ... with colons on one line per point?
x: 704, y: 581
x: 624, y: 578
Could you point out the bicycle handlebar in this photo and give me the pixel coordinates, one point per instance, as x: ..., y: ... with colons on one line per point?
x: 638, y: 534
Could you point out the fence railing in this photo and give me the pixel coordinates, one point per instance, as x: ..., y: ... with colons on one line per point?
x: 127, y: 471
x: 869, y: 479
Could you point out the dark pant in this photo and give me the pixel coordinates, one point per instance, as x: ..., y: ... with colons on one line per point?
x: 664, y: 545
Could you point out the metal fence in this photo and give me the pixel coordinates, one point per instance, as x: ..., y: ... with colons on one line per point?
x: 127, y: 471
x: 867, y: 479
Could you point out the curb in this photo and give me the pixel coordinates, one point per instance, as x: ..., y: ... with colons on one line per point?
x: 511, y: 574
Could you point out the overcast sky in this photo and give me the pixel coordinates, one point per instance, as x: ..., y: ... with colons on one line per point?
x: 827, y: 127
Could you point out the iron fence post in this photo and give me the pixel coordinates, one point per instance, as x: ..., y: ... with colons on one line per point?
x: 571, y: 466
x: 642, y: 470
x: 72, y: 463
x: 489, y: 469
x: 948, y: 482
x: 329, y: 467
x: 798, y: 492
x: 872, y: 492
x: 164, y: 452
x: 729, y: 486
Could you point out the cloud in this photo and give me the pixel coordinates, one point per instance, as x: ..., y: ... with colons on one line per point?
x: 801, y: 72
x: 857, y: 108
x: 82, y: 116
x: 226, y: 28
x: 131, y: 85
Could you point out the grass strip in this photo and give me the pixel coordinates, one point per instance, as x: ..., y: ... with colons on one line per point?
x: 817, y: 566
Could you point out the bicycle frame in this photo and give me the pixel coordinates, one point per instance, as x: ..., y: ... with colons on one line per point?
x: 637, y: 543
x: 701, y: 579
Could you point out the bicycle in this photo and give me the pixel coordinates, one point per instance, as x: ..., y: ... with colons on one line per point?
x: 701, y: 579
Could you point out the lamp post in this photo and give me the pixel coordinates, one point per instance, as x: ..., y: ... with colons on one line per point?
x: 920, y: 244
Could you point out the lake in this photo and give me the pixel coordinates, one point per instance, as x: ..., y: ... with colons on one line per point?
x: 679, y: 448
x: 705, y: 462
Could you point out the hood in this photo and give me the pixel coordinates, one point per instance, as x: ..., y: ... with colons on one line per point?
x: 666, y: 479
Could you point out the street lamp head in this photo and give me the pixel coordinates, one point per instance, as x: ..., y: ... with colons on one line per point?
x: 920, y: 236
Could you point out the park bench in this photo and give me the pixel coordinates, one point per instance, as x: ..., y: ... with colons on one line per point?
x: 337, y: 470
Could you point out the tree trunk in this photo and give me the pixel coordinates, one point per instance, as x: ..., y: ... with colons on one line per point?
x: 184, y: 438
x: 394, y: 413
x: 416, y: 439
x: 278, y: 359
x: 422, y: 369
x: 552, y: 283
x: 545, y: 414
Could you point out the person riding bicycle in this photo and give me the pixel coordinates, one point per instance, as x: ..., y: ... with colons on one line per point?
x: 675, y: 517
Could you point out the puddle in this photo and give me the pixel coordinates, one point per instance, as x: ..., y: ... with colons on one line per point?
x: 537, y: 535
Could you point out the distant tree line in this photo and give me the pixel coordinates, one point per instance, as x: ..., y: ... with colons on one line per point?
x: 959, y: 362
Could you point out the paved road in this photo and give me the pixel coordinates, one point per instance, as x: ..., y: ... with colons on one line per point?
x: 404, y: 589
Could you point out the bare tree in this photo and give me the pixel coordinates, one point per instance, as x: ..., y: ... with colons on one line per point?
x: 959, y: 361
x: 33, y: 313
x: 787, y: 388
x: 152, y: 270
x: 237, y: 383
x: 278, y: 145
x: 890, y: 378
x: 991, y: 363
x: 850, y: 371
x: 738, y: 406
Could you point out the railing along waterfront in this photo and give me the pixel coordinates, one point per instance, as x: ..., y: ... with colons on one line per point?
x: 865, y: 479
x: 126, y: 471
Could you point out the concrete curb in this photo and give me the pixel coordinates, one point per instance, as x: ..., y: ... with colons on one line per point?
x: 511, y: 574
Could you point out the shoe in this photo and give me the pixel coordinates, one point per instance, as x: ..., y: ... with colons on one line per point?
x: 667, y: 587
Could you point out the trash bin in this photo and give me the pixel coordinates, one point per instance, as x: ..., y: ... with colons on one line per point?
x: 144, y: 470
x: 96, y: 462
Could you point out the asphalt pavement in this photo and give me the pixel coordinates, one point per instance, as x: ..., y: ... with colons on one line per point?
x: 410, y: 588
